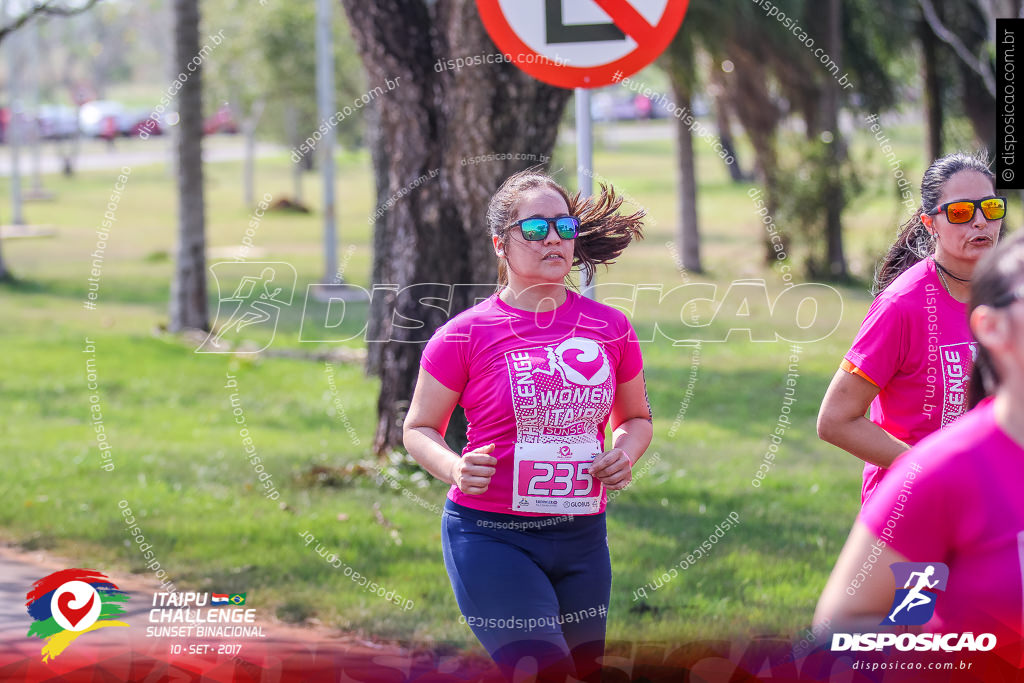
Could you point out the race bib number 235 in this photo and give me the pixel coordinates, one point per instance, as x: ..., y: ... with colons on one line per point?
x: 555, y: 478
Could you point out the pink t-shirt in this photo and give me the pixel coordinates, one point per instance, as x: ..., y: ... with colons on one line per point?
x: 957, y: 498
x: 540, y: 387
x: 916, y: 345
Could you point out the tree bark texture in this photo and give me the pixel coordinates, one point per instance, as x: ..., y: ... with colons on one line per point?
x: 688, y: 235
x: 188, y: 307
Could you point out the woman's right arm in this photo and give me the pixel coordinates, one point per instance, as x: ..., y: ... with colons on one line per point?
x: 425, y: 422
x: 842, y: 421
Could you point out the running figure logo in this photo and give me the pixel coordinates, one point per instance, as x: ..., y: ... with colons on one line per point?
x: 261, y: 291
x: 914, y: 604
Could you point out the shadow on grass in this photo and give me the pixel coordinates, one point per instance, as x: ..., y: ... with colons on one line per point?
x: 760, y: 529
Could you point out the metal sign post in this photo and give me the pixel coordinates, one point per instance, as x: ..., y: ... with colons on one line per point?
x: 584, y: 161
x: 582, y: 44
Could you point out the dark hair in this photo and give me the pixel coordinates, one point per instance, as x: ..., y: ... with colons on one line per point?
x: 603, y: 235
x: 914, y: 243
x: 998, y: 274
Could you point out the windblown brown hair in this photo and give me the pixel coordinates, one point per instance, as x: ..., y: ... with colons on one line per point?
x: 604, y: 233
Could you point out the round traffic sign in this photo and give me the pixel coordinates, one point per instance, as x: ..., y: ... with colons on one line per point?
x: 582, y: 43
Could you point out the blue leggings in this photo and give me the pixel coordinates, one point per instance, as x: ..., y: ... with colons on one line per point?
x: 534, y: 590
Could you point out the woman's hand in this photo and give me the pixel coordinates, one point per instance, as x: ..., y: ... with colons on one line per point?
x: 613, y: 469
x: 473, y: 471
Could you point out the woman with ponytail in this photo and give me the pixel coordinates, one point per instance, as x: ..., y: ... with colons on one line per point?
x: 540, y: 372
x: 956, y: 497
x: 911, y: 360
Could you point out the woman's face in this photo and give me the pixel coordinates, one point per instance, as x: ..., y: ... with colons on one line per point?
x: 544, y: 261
x: 964, y: 241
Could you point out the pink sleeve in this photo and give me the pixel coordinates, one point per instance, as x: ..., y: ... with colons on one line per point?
x: 910, y: 508
x: 631, y: 362
x: 444, y: 357
x: 880, y: 345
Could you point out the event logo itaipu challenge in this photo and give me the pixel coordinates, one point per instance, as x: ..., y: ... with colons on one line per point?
x: 69, y: 603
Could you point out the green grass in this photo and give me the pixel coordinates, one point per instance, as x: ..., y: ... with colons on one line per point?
x: 179, y: 458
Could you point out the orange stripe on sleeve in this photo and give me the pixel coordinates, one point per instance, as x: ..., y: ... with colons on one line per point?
x: 854, y: 370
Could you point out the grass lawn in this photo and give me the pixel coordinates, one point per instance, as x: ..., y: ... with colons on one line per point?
x: 180, y: 463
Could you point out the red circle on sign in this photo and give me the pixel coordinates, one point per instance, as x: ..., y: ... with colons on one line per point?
x: 564, y: 76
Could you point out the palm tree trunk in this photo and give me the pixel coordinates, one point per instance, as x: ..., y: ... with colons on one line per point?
x: 725, y: 135
x: 932, y: 86
x: 688, y: 235
x: 834, y: 200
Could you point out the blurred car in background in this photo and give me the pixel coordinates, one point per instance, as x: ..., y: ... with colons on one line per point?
x: 57, y: 122
x: 100, y: 118
x: 620, y: 104
x: 133, y: 123
x: 612, y: 106
x: 663, y: 108
x: 109, y: 119
x: 221, y: 122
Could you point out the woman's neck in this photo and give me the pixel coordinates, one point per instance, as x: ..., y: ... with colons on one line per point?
x: 950, y: 269
x: 537, y: 298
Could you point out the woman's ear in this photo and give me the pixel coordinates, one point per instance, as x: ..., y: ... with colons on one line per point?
x: 991, y: 328
x: 499, y: 248
x: 928, y: 221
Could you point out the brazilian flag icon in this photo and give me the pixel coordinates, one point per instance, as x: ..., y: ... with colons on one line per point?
x: 237, y: 599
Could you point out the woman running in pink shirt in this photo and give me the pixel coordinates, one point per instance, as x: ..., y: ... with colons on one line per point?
x: 911, y: 360
x: 540, y: 372
x: 956, y: 498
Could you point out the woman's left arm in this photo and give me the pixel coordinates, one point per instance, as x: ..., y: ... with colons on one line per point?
x: 632, y: 429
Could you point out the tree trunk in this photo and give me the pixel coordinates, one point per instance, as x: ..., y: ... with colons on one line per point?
x: 746, y: 90
x: 188, y: 289
x: 4, y: 274
x: 69, y: 148
x: 291, y: 122
x: 688, y: 235
x: 17, y: 123
x: 979, y: 105
x: 725, y: 135
x: 833, y: 199
x: 249, y: 124
x: 932, y: 77
x: 376, y: 326
x: 431, y: 127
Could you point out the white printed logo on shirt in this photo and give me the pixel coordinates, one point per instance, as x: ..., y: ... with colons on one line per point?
x: 956, y: 361
x: 560, y: 394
